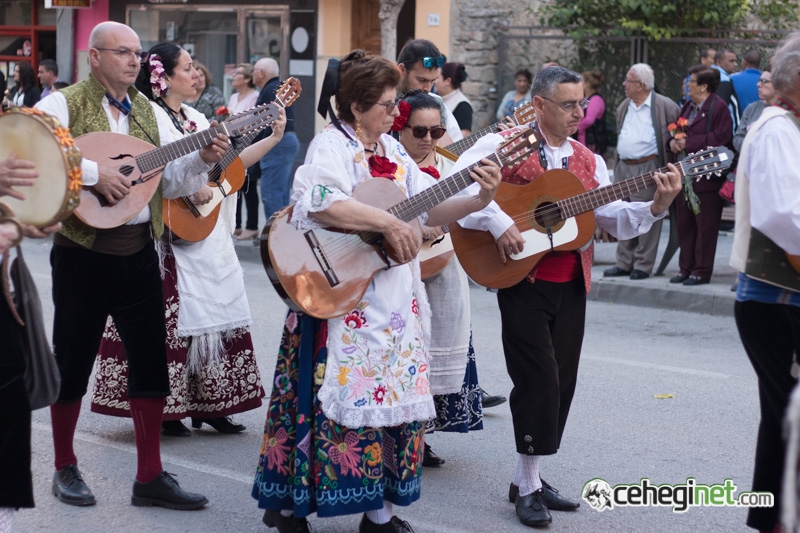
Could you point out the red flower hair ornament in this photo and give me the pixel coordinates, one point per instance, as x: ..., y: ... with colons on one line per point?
x: 401, y: 120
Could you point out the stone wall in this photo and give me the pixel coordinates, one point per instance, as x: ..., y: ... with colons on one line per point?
x: 473, y: 41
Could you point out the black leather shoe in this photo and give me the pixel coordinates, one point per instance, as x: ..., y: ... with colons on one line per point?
x: 174, y: 428
x: 615, y: 271
x: 695, y: 280
x: 221, y: 424
x: 639, y: 274
x: 164, y: 491
x: 532, y: 511
x: 680, y: 278
x: 555, y: 501
x: 69, y: 487
x: 491, y: 401
x: 285, y: 524
x: 431, y: 459
x: 395, y: 525
x: 513, y: 490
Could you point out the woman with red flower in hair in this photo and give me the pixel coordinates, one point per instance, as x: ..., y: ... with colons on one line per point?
x: 360, y: 379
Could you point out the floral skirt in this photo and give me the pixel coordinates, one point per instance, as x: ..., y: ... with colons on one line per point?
x: 461, y: 411
x: 228, y: 386
x: 309, y: 463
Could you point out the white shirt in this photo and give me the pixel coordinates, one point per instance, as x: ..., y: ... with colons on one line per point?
x: 181, y: 177
x: 624, y: 220
x: 637, y: 138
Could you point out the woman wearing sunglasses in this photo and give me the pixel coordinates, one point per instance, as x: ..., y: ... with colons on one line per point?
x: 457, y: 395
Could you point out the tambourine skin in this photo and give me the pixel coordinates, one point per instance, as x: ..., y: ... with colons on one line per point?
x: 35, y: 136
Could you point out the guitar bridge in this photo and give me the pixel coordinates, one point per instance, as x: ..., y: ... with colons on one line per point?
x: 321, y: 258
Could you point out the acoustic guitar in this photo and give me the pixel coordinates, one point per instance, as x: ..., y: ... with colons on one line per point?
x: 139, y: 161
x: 193, y: 223
x: 434, y: 254
x: 554, y: 213
x: 523, y: 115
x: 325, y: 272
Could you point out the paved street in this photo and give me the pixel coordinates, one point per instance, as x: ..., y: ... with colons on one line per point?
x: 618, y: 430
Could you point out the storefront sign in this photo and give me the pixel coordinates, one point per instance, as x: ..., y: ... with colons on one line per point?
x: 74, y: 4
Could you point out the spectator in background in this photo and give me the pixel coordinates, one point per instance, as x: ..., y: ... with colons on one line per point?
x: 709, y: 125
x: 275, y: 167
x: 520, y: 96
x: 448, y: 86
x: 642, y: 121
x: 48, y: 75
x: 767, y: 97
x: 707, y: 56
x: 744, y: 82
x: 25, y: 92
x: 245, y: 97
x: 726, y: 63
x: 208, y: 97
x: 592, y: 128
x: 57, y: 86
x: 3, y: 84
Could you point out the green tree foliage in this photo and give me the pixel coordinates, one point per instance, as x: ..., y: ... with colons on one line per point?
x: 657, y: 19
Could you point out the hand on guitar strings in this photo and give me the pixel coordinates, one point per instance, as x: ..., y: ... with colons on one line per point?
x: 667, y: 188
x: 488, y: 176
x: 16, y: 173
x: 509, y: 243
x: 214, y: 152
x: 203, y: 196
x: 429, y: 233
x: 402, y: 238
x: 111, y: 184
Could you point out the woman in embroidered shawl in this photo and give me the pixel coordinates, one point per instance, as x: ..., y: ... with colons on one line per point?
x: 212, y: 367
x: 351, y: 395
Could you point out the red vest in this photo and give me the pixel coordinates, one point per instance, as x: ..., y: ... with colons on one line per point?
x: 581, y: 163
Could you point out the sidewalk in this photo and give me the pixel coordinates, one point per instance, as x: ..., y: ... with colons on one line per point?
x: 716, y: 298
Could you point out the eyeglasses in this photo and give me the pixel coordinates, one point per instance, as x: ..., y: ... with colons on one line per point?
x: 388, y: 106
x: 437, y: 132
x: 125, y: 53
x: 429, y: 62
x: 632, y: 81
x: 764, y: 81
x: 583, y: 103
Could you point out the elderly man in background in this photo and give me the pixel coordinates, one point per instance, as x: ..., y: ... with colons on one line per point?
x: 642, y: 120
x: 767, y: 307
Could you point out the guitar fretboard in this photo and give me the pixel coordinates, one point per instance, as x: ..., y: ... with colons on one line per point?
x: 459, y: 147
x: 161, y: 156
x: 595, y: 198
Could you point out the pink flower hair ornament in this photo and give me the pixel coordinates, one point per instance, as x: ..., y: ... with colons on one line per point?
x: 158, y: 81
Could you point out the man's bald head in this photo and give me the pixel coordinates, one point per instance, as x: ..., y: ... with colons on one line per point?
x: 264, y: 70
x: 105, y: 31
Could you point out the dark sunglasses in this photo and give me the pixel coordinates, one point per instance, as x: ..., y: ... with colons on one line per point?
x: 421, y: 131
x: 430, y: 62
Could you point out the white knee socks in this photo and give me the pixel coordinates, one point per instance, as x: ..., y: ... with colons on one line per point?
x: 526, y: 476
x: 381, y: 516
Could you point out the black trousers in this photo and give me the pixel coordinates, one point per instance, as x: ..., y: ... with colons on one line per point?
x: 87, y: 287
x: 15, y: 431
x: 543, y: 325
x: 770, y: 334
x: 250, y: 193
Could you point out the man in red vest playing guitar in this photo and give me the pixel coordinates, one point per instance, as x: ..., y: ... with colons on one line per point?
x: 543, y: 316
x: 115, y: 271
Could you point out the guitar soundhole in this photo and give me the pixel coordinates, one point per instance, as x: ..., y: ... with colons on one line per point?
x: 546, y: 214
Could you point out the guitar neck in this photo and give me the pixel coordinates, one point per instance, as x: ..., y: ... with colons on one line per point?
x: 590, y: 200
x: 459, y: 147
x: 161, y: 156
x: 230, y: 156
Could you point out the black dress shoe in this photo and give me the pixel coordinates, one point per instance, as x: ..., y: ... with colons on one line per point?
x: 615, y: 271
x: 695, y: 280
x: 680, y: 278
x: 395, y: 525
x: 431, y: 459
x: 285, y: 524
x: 69, y: 487
x: 164, y: 491
x: 513, y: 490
x: 221, y: 424
x: 639, y: 274
x: 556, y: 501
x: 491, y: 401
x: 532, y: 510
x: 174, y: 428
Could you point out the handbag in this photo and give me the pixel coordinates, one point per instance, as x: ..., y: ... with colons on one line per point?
x: 42, y: 378
x: 728, y: 189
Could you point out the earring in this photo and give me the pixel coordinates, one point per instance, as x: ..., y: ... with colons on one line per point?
x: 358, y: 129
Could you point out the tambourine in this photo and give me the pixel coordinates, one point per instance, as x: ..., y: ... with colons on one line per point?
x: 35, y: 136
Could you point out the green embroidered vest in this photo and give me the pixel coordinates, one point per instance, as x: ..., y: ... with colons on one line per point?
x: 86, y: 115
x: 766, y: 261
